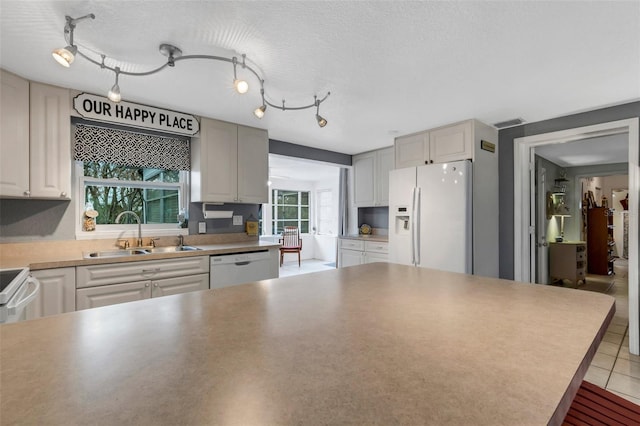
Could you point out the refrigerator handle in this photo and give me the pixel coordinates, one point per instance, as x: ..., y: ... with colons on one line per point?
x: 416, y: 226
x: 413, y: 205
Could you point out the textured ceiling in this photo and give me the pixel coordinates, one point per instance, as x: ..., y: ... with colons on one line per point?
x: 393, y: 67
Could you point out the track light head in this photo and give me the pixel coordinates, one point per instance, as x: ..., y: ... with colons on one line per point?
x: 241, y: 86
x: 259, y: 112
x: 114, y: 94
x: 321, y: 120
x: 65, y: 55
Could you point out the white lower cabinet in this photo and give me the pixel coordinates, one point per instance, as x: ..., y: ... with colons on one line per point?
x: 350, y: 258
x: 103, y: 285
x: 357, y: 252
x: 57, y: 293
x: 170, y: 286
x: 94, y: 297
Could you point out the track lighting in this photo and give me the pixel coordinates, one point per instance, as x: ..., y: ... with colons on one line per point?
x: 114, y: 93
x: 321, y: 120
x: 241, y: 86
x: 66, y: 56
x: 259, y: 112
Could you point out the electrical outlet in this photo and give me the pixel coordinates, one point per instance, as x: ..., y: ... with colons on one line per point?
x: 202, y: 227
x: 237, y: 219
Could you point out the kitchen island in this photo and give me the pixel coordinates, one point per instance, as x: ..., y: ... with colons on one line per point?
x: 370, y: 344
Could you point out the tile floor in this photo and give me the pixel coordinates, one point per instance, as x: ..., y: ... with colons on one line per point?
x: 613, y: 367
x: 289, y: 268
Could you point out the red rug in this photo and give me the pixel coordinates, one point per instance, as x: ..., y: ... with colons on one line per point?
x: 596, y: 406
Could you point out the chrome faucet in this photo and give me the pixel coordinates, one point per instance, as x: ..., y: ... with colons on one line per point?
x: 180, y: 240
x: 137, y: 220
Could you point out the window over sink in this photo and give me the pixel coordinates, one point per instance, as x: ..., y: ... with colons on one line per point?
x: 118, y: 170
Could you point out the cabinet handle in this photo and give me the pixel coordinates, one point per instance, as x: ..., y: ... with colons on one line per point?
x: 27, y: 193
x: 146, y: 284
x: 155, y: 284
x: 431, y: 161
x: 150, y: 271
x: 63, y: 194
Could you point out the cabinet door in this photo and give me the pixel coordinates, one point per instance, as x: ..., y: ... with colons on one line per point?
x: 412, y: 150
x: 451, y: 143
x: 14, y: 135
x: 179, y: 285
x: 94, y: 297
x: 50, y: 164
x: 384, y: 164
x: 57, y: 293
x: 253, y: 165
x: 363, y: 179
x: 215, y: 164
x: 115, y: 273
x: 375, y: 257
x: 350, y: 258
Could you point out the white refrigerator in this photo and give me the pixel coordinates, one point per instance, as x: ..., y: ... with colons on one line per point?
x: 430, y: 217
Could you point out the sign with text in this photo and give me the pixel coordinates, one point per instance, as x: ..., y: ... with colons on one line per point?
x: 130, y: 114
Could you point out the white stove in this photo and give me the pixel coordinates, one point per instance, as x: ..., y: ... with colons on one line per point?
x: 17, y: 289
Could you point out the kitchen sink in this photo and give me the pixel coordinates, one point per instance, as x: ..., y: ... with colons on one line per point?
x: 138, y: 251
x: 171, y: 249
x: 115, y: 253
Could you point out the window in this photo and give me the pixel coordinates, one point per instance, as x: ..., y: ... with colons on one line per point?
x: 153, y: 194
x: 120, y: 170
x: 289, y: 208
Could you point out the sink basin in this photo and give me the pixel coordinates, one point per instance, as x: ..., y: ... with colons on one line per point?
x: 115, y: 253
x: 170, y: 249
x: 137, y: 251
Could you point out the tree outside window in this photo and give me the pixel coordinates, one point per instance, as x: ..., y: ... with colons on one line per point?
x: 153, y: 194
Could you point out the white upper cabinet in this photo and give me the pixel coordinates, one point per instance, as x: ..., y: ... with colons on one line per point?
x: 412, y: 150
x: 14, y: 136
x: 451, y: 143
x: 50, y: 139
x: 371, y: 177
x: 229, y: 163
x: 383, y: 166
x: 253, y: 165
x: 364, y: 168
x: 441, y: 145
x: 35, y: 149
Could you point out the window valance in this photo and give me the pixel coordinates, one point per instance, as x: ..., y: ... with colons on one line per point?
x: 93, y: 143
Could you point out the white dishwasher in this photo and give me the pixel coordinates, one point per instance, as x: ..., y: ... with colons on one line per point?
x: 239, y: 268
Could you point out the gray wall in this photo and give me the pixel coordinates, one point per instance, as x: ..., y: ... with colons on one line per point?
x: 507, y: 136
x: 299, y: 151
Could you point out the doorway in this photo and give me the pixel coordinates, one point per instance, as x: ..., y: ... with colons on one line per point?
x: 524, y: 202
x: 303, y: 193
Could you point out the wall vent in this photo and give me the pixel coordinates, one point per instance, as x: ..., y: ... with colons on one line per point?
x: 509, y: 123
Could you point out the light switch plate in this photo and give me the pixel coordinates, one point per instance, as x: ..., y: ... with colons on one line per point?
x: 237, y: 219
x: 202, y: 227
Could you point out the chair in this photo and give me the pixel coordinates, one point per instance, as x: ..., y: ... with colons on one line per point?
x: 291, y: 243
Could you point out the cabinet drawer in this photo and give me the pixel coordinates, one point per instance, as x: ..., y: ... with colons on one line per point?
x: 352, y: 244
x: 376, y: 246
x: 114, y: 273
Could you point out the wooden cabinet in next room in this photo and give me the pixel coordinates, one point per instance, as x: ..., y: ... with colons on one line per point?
x: 600, y: 241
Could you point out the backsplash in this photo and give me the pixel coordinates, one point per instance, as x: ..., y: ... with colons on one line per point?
x: 376, y: 217
x: 220, y: 226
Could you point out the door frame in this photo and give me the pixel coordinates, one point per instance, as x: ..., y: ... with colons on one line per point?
x: 523, y: 200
